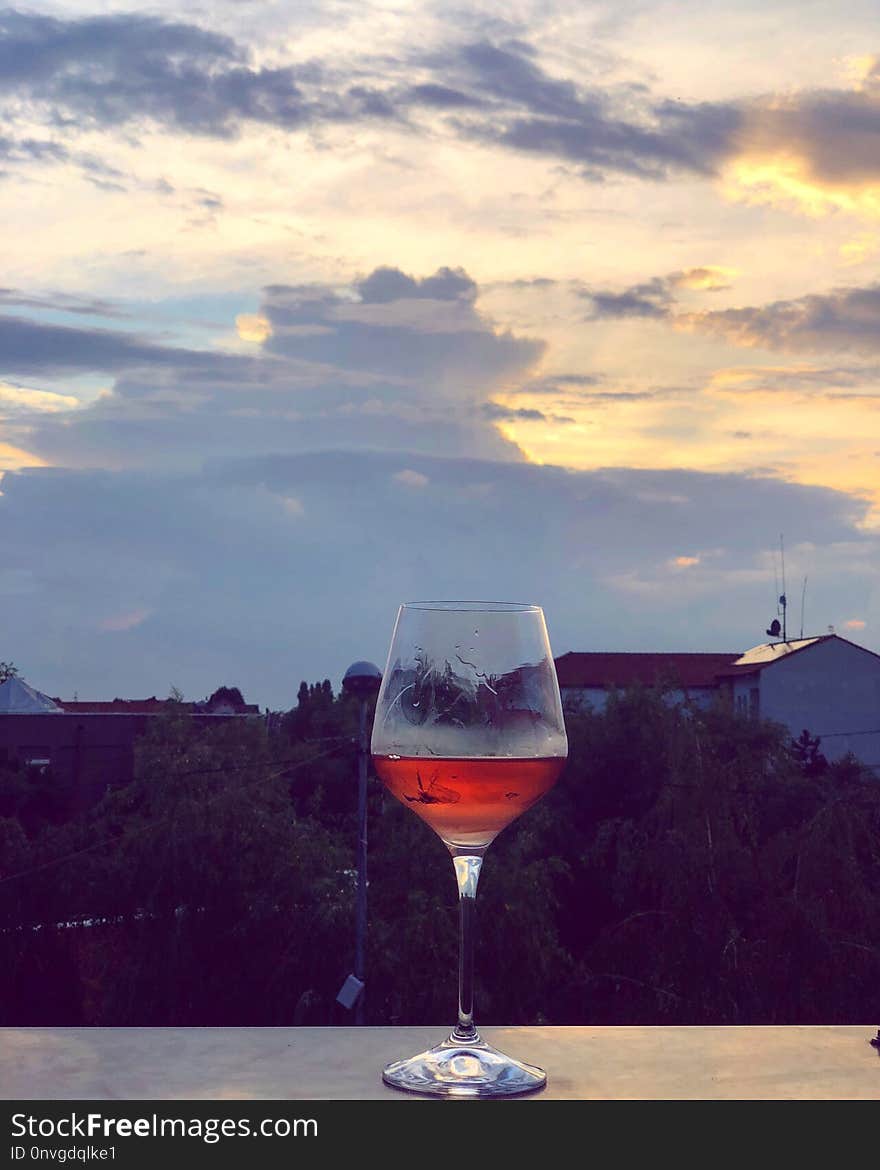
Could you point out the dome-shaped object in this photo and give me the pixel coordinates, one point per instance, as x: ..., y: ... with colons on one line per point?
x: 363, y: 679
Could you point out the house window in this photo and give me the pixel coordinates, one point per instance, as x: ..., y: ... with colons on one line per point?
x: 741, y: 705
x: 754, y: 702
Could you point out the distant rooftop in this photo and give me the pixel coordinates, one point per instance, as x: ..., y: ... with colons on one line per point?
x: 605, y: 669
x: 769, y: 652
x: 151, y: 706
x: 602, y: 669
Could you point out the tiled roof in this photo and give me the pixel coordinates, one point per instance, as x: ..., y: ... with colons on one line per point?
x: 621, y: 669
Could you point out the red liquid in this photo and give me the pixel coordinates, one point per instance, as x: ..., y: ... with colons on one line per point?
x: 468, y: 802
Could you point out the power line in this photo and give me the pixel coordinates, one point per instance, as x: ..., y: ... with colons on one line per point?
x: 831, y: 734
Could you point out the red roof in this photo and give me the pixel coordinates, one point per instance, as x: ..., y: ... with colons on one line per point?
x: 621, y: 669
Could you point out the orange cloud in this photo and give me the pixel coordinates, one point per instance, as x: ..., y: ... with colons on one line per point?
x: 709, y: 278
x: 125, y: 621
x: 854, y: 624
x: 293, y: 506
x: 409, y: 478
x: 814, y: 151
x: 253, y: 327
x: 14, y: 458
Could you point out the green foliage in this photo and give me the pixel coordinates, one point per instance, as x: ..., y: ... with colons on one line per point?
x: 34, y: 796
x: 691, y: 866
x: 7, y: 670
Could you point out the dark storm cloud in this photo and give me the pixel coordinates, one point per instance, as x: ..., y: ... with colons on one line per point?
x: 108, y: 70
x: 510, y: 75
x: 111, y: 70
x: 390, y: 284
x: 32, y: 347
x: 651, y: 299
x: 441, y: 97
x: 845, y: 319
x: 498, y: 413
x: 62, y: 303
x: 288, y: 567
x: 593, y: 127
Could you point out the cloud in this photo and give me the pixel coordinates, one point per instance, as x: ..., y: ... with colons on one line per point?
x: 500, y: 413
x: 124, y: 621
x: 253, y: 327
x: 410, y: 478
x: 293, y: 506
x: 107, y: 71
x: 110, y: 71
x: 426, y: 332
x: 815, y: 381
x: 61, y: 302
x: 22, y: 398
x: 441, y: 97
x: 242, y: 590
x: 556, y: 384
x: 654, y: 297
x: 536, y: 113
x: 387, y: 284
x: 28, y: 346
x: 390, y: 362
x: 651, y: 299
x: 843, y: 320
x: 817, y: 150
x: 709, y: 278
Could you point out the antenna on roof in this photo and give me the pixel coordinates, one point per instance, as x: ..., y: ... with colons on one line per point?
x: 775, y: 627
x: 803, y: 595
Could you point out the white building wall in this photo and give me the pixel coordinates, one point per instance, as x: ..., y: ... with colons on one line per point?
x: 747, y: 695
x: 827, y: 688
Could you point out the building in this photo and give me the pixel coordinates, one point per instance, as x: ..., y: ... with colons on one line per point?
x: 89, y: 746
x: 826, y: 685
x: 585, y: 680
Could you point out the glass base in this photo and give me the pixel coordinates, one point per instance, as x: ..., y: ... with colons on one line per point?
x: 464, y: 1068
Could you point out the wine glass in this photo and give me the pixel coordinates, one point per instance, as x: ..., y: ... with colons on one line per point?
x: 468, y: 734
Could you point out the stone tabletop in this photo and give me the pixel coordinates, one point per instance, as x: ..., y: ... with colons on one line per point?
x: 583, y: 1063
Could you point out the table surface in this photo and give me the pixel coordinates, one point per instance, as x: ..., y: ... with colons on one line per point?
x: 584, y: 1063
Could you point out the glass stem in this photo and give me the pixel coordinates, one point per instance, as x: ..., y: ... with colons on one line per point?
x: 467, y: 874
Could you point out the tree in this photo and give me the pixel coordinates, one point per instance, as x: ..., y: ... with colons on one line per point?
x: 230, y: 695
x: 805, y: 750
x: 7, y: 670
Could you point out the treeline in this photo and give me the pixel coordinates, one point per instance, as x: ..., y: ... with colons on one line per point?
x: 690, y: 867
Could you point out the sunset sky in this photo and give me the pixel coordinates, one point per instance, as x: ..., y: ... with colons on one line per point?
x: 310, y: 308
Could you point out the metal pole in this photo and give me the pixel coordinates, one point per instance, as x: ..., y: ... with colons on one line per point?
x: 361, y: 929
